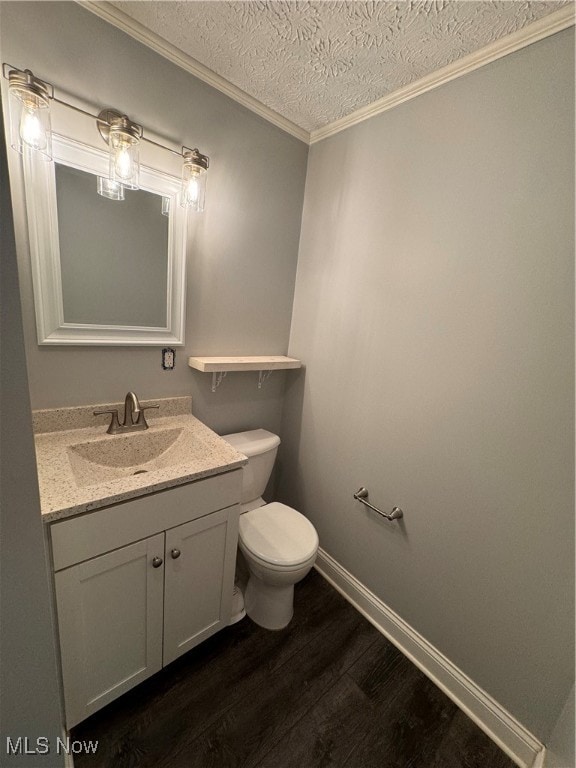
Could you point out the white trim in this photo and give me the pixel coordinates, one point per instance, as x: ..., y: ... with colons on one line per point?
x: 139, y: 32
x: 540, y: 760
x: 549, y: 25
x: 518, y: 743
x: 532, y: 33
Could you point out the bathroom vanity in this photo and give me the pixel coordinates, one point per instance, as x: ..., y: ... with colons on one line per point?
x: 143, y: 545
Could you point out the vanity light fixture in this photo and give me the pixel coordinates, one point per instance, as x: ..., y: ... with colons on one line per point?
x: 193, y: 191
x: 29, y: 106
x: 123, y: 139
x: 30, y: 126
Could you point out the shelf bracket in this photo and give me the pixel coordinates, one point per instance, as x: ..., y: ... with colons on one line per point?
x: 217, y: 378
x: 262, y: 377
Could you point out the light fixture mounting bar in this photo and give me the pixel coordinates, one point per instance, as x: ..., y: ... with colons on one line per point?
x: 30, y: 125
x: 103, y: 122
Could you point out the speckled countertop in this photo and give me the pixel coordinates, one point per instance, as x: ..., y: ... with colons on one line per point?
x: 176, y: 449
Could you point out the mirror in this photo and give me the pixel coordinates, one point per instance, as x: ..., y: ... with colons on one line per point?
x: 104, y: 271
x: 117, y: 238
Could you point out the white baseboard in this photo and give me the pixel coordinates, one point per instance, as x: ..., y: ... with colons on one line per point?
x: 518, y: 743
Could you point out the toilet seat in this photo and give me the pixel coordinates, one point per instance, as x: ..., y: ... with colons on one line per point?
x: 278, y: 536
x: 271, y: 569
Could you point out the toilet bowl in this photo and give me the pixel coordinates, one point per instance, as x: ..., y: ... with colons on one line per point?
x: 278, y: 543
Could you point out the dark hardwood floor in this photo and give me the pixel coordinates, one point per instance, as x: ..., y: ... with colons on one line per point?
x: 328, y: 691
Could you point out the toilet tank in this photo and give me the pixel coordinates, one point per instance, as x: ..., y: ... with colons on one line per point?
x: 261, y: 448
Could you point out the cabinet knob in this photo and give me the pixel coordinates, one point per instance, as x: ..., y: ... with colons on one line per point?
x: 175, y: 553
x: 157, y: 562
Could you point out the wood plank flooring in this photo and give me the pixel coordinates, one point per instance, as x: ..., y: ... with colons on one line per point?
x: 329, y: 691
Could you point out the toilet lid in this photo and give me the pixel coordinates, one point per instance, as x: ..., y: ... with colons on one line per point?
x: 278, y: 534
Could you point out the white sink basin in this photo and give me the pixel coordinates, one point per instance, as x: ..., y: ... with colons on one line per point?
x: 117, y: 456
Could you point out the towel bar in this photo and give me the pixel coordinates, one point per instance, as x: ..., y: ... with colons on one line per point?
x: 362, y: 494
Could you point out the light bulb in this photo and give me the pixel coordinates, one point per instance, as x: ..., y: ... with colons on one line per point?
x: 31, y: 129
x: 29, y: 110
x: 123, y: 163
x: 192, y: 191
x: 123, y: 141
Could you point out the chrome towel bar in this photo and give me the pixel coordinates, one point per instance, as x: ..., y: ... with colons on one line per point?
x: 362, y: 494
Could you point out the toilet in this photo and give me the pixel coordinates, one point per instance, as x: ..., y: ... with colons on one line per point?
x: 278, y: 543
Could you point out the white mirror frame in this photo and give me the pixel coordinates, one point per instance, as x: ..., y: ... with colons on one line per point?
x: 40, y: 190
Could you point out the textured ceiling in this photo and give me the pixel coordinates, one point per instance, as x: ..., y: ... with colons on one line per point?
x: 316, y: 62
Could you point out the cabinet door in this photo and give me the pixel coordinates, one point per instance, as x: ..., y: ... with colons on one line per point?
x: 110, y: 622
x: 200, y: 563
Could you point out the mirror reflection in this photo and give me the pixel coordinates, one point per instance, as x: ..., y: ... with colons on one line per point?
x: 113, y: 253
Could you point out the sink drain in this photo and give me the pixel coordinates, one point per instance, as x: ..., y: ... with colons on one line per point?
x: 140, y: 472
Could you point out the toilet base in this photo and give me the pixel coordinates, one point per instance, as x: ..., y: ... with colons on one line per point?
x: 238, y: 611
x: 271, y: 606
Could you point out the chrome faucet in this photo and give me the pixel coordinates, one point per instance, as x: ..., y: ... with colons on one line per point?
x: 134, y: 419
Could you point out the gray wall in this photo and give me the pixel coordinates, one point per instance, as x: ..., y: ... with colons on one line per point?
x: 242, y: 263
x: 29, y: 683
x: 560, y: 748
x: 434, y: 311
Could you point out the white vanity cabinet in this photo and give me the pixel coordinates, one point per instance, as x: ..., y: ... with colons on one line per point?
x: 140, y: 583
x: 196, y: 554
x: 110, y: 625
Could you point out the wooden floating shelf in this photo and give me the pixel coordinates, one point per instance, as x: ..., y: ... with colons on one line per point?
x: 260, y: 363
x: 220, y: 366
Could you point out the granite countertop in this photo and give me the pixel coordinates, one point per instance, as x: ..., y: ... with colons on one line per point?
x: 71, y: 484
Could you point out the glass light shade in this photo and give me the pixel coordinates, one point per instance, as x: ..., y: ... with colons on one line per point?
x: 29, y: 115
x: 110, y: 189
x: 193, y: 191
x: 124, y: 167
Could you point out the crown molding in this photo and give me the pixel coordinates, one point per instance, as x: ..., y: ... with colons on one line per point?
x: 538, y: 30
x: 139, y: 32
x: 532, y: 33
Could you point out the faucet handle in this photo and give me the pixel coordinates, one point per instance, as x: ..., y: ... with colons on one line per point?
x: 141, y: 418
x: 114, y: 426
